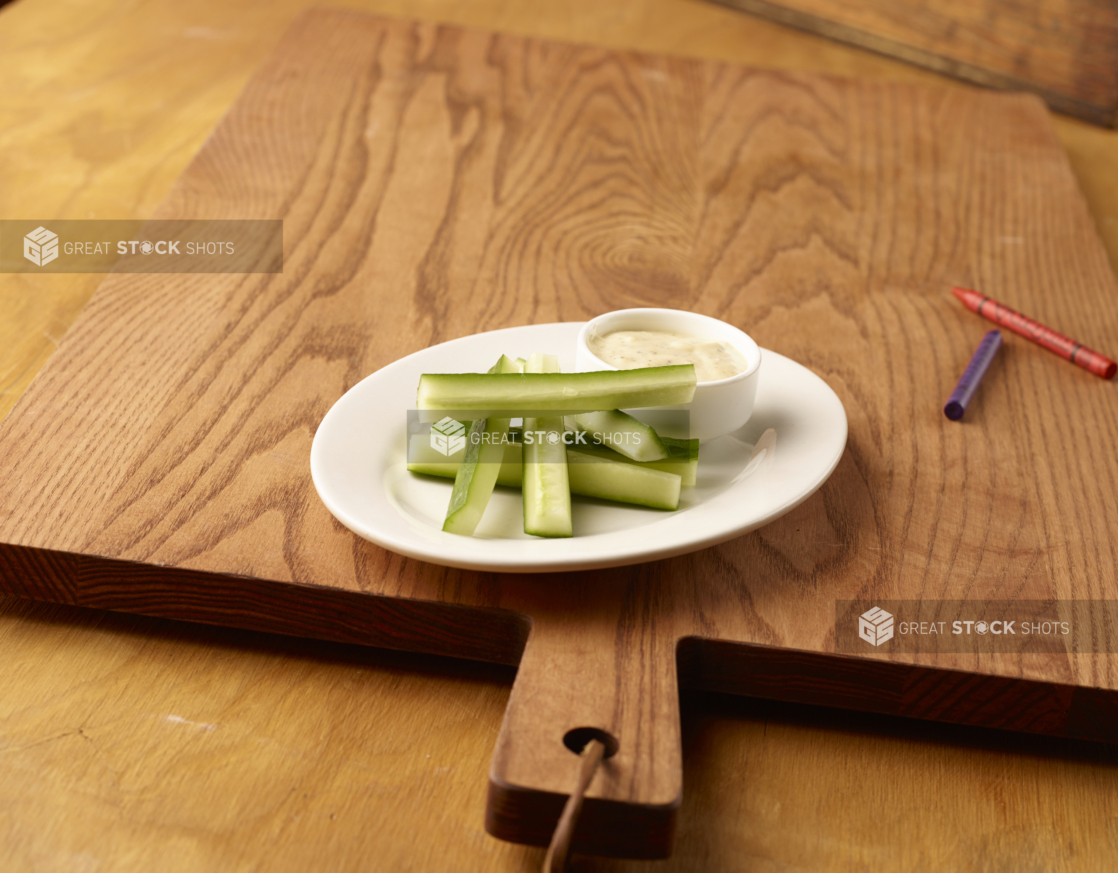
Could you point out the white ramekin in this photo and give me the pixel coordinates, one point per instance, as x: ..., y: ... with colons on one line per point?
x: 719, y: 407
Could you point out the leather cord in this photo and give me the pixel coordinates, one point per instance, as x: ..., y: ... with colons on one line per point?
x: 556, y: 859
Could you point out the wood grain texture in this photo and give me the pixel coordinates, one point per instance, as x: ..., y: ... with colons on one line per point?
x: 89, y: 137
x: 208, y: 478
x: 1066, y: 51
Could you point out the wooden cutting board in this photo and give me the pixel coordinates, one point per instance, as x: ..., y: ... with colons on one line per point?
x: 436, y: 182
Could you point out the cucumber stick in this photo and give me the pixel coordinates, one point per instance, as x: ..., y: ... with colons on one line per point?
x: 424, y: 459
x: 592, y: 473
x: 624, y: 434
x: 622, y: 481
x: 682, y: 459
x: 515, y: 392
x: 546, y: 486
x: 477, y: 474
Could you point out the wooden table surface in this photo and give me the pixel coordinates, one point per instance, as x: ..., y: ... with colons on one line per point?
x: 130, y: 743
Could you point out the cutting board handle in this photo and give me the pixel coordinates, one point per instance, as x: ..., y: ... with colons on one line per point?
x: 585, y: 678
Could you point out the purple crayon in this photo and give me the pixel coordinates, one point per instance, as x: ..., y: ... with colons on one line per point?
x: 972, y: 375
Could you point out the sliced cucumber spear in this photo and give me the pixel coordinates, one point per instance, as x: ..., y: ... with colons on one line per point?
x: 422, y: 458
x: 477, y: 474
x: 556, y: 392
x: 623, y: 481
x: 624, y: 434
x: 682, y: 459
x: 592, y: 472
x: 546, y: 485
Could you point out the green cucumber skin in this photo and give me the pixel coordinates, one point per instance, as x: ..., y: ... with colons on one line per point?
x: 557, y: 392
x: 623, y: 482
x: 476, y: 477
x: 633, y: 489
x: 427, y: 461
x: 478, y: 472
x: 683, y: 449
x: 545, y: 487
x: 682, y: 460
x: 627, y: 436
x: 545, y: 483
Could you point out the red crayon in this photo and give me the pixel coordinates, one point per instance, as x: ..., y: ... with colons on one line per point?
x: 1063, y: 346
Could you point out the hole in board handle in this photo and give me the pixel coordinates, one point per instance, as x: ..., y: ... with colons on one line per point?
x: 577, y: 738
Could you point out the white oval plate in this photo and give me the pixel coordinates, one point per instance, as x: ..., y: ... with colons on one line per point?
x: 790, y: 446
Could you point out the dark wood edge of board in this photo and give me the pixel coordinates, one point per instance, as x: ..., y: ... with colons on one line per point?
x: 499, y: 636
x: 516, y: 813
x: 492, y: 635
x: 605, y: 827
x: 893, y: 688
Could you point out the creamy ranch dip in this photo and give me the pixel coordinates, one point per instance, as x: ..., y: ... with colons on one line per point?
x: 630, y: 349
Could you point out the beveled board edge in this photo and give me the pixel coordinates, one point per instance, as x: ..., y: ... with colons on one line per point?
x: 475, y: 633
x: 894, y: 688
x: 605, y: 827
x: 523, y: 815
x: 499, y: 636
